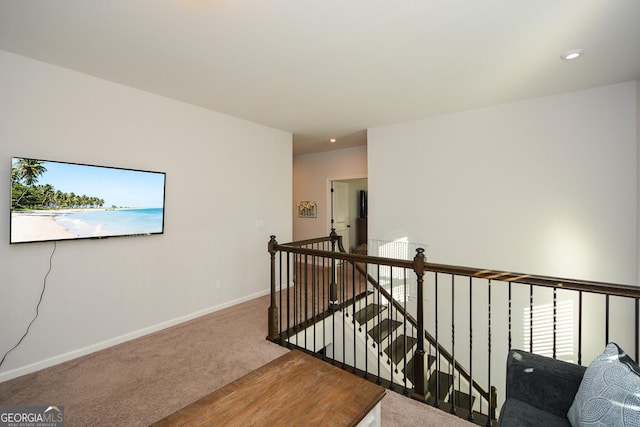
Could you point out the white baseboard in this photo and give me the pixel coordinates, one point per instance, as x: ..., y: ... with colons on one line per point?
x: 46, y: 363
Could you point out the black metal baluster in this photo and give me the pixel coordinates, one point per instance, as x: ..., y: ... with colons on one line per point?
x: 326, y: 282
x: 334, y: 296
x: 531, y: 318
x: 606, y: 322
x: 302, y: 294
x: 579, y: 327
x: 555, y: 320
x: 288, y: 255
x: 319, y: 290
x: 510, y: 320
x: 488, y: 424
x: 314, y: 283
x: 306, y: 299
x: 366, y: 335
x: 353, y: 313
x: 325, y: 306
x: 405, y: 350
x: 378, y: 327
x: 343, y: 279
x: 333, y: 287
x: 345, y: 314
x: 281, y: 306
x: 390, y: 326
x: 296, y: 284
x: 470, y: 415
x: 453, y: 347
x: 637, y: 335
x: 437, y: 396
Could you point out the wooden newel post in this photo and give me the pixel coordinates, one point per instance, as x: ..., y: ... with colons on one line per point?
x: 419, y: 390
x: 273, y: 308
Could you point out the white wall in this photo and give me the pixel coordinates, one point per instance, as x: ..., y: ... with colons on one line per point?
x: 228, y: 188
x: 544, y: 186
x: 312, y: 174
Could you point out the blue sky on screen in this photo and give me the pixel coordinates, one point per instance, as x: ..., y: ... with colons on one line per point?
x: 119, y: 187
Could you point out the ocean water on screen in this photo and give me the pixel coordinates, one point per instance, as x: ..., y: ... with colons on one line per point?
x: 102, y: 223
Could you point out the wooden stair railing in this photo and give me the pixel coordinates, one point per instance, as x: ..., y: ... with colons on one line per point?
x: 502, y: 302
x: 421, y: 362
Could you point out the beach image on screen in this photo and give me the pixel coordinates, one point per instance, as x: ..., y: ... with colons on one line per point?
x: 60, y: 201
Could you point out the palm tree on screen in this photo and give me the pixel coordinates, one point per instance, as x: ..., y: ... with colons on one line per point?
x: 27, y: 172
x: 48, y: 194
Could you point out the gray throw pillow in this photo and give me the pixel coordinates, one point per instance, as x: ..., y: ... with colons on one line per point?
x: 609, y: 394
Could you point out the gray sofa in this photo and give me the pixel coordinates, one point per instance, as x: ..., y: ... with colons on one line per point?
x: 540, y: 390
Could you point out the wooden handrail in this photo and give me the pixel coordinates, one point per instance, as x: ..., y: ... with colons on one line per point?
x: 480, y: 273
x: 345, y: 256
x: 536, y: 280
x: 308, y: 241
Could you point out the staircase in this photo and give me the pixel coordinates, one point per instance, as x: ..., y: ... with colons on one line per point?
x: 370, y: 324
x: 393, y: 342
x: 351, y: 310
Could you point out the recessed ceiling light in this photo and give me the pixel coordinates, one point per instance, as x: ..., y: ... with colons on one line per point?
x: 572, y: 54
x: 332, y: 140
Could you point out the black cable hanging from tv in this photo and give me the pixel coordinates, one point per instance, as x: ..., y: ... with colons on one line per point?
x: 44, y: 286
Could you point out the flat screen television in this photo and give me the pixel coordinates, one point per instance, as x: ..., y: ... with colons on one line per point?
x: 52, y: 201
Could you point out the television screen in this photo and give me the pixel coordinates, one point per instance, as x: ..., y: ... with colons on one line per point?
x: 53, y: 200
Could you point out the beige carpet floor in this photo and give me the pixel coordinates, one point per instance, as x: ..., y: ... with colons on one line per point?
x: 141, y: 381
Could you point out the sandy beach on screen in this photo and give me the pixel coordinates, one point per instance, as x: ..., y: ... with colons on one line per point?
x: 37, y: 225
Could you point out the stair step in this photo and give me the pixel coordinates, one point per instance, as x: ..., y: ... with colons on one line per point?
x: 369, y: 312
x: 408, y: 372
x: 462, y: 400
x: 446, y: 380
x: 383, y: 329
x: 400, y: 347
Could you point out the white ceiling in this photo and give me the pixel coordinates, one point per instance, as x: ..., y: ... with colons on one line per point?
x: 333, y: 68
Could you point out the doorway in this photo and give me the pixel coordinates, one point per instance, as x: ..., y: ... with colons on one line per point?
x: 349, y: 212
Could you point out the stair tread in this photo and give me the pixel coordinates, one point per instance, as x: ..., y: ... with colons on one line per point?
x: 383, y: 329
x: 462, y: 400
x: 408, y: 371
x: 399, y: 348
x: 446, y: 380
x: 368, y: 313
